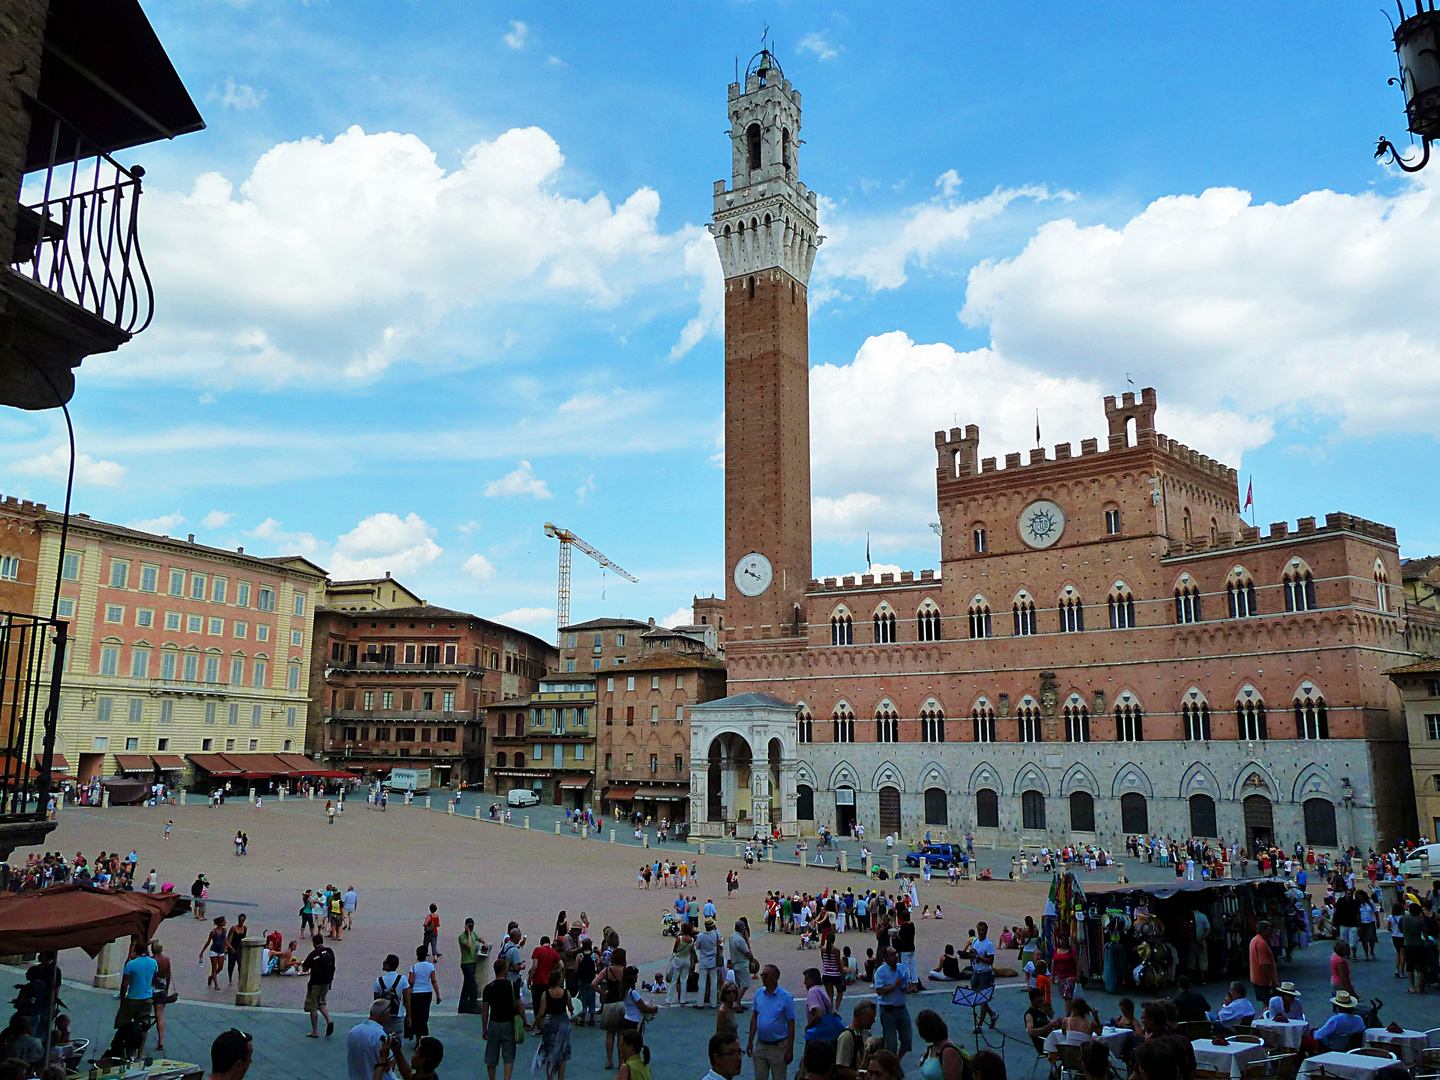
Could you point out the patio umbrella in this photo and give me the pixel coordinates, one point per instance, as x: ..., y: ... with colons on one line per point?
x: 81, y: 917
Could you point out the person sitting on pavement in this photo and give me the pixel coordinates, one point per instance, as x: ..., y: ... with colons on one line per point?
x: 1236, y: 1008
x: 1344, y: 1030
x: 948, y: 970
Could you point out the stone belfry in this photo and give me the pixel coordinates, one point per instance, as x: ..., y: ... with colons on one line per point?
x: 764, y: 228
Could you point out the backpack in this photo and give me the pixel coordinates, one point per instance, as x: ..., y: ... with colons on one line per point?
x: 389, y: 994
x: 323, y: 969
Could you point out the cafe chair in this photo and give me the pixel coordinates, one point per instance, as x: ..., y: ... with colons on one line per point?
x: 1246, y: 1039
x: 1196, y: 1029
x: 1375, y: 1051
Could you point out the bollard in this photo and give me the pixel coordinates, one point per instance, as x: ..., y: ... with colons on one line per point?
x: 450, y: 808
x: 477, y: 813
x: 182, y: 797
x: 527, y: 821
x: 804, y: 856
x: 646, y: 838
x: 970, y: 870
x: 105, y: 804
x: 310, y: 794
x: 584, y: 832
x: 557, y: 828
x: 482, y: 966
x: 108, y: 966
x: 894, y: 866
x: 248, y: 992
x: 1120, y: 873
x: 844, y: 862
x: 612, y: 836
x: 427, y: 802
x: 770, y: 853
x: 737, y: 851
x: 282, y: 794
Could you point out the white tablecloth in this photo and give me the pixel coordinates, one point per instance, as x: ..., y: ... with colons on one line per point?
x: 1345, y: 1066
x: 1281, y: 1034
x: 1408, y: 1044
x: 1228, y: 1060
x: 1112, y: 1037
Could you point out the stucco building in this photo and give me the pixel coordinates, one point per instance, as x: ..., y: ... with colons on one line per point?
x: 1419, y: 686
x: 1106, y: 648
x: 545, y: 742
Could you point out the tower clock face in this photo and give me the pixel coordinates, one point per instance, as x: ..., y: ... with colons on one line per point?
x: 1041, y: 523
x: 753, y: 574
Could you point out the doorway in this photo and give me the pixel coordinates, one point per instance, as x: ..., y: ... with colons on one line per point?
x: 844, y: 810
x: 889, y: 810
x: 1259, y: 822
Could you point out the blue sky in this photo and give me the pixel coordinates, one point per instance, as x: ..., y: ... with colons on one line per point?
x: 436, y: 273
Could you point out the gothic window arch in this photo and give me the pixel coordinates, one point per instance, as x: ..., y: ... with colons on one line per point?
x: 1311, y: 718
x: 1240, y: 594
x: 1076, y: 715
x: 1122, y: 606
x: 1250, y: 715
x: 1382, y: 587
x: 842, y: 627
x: 982, y: 719
x: 844, y: 720
x: 932, y: 722
x: 887, y: 722
x: 1082, y: 812
x: 1187, y: 600
x: 1185, y: 524
x: 752, y: 147
x: 1023, y: 610
x: 1072, y: 611
x: 1028, y: 719
x: 1129, y: 720
x: 884, y: 620
x: 1299, y: 586
x: 1195, y: 711
x: 979, y: 618
x: 928, y: 621
x: 804, y: 723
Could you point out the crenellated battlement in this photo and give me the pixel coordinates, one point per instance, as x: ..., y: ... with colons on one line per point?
x: 907, y: 579
x: 1280, y: 530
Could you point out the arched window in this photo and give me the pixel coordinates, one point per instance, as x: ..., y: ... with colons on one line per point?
x: 1299, y: 587
x: 842, y: 629
x: 1129, y: 721
x: 928, y: 621
x: 1028, y: 718
x: 1202, y: 816
x: 804, y: 802
x: 1122, y: 607
x: 500, y: 760
x: 982, y: 717
x: 1134, y: 814
x: 1032, y: 810
x: 977, y: 538
x: 1320, y: 823
x: 504, y: 724
x: 752, y: 147
x: 937, y: 807
x: 887, y: 723
x: 519, y: 759
x: 844, y: 723
x: 1311, y: 721
x: 1082, y: 811
x: 1024, y: 612
x: 805, y: 725
x: 1240, y: 594
x: 1072, y: 612
x: 1195, y: 711
x: 1382, y: 587
x: 979, y: 618
x: 1077, y: 719
x: 932, y: 722
x: 987, y: 809
x: 1187, y: 600
x: 884, y: 620
x: 1250, y: 716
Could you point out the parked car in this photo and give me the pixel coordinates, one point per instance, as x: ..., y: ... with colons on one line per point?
x: 939, y: 856
x: 522, y: 797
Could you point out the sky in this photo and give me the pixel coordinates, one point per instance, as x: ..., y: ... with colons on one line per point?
x: 437, y: 273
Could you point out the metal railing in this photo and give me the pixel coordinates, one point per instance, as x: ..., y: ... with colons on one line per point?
x: 75, y: 231
x: 32, y: 655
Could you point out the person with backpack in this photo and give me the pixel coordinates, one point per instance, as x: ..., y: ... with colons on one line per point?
x: 321, y: 966
x: 431, y: 929
x: 392, y: 987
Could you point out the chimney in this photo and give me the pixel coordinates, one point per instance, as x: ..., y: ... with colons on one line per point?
x: 240, y: 550
x: 192, y: 538
x: 387, y: 574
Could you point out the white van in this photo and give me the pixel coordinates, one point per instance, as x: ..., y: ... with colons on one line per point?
x: 1413, y: 864
x: 522, y: 797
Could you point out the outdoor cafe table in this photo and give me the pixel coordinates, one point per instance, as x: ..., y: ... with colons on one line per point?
x: 1281, y: 1034
x: 161, y: 1069
x: 1227, y: 1060
x: 1112, y: 1037
x: 1344, y: 1066
x: 1409, y: 1044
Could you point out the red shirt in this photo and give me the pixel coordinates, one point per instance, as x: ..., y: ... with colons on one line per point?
x: 542, y: 960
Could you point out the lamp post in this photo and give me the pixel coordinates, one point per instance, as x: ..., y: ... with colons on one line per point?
x: 1417, y: 50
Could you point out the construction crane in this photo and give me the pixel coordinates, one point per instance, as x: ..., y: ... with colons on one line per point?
x: 568, y: 538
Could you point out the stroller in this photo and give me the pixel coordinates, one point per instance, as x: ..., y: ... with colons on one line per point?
x: 669, y: 924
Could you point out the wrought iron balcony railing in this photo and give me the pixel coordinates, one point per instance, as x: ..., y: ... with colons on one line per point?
x: 32, y: 653
x: 75, y: 231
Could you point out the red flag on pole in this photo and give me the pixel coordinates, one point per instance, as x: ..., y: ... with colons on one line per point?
x: 1249, y: 495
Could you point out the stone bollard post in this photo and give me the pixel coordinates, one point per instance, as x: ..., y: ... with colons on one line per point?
x: 105, y: 799
x: 449, y: 807
x: 527, y: 821
x: 844, y: 862
x: 584, y: 832
x: 427, y: 802
x: 770, y: 853
x: 1120, y: 873
x: 282, y: 794
x: 310, y: 794
x: 612, y: 836
x: 804, y: 857
x: 737, y: 851
x: 477, y: 813
x: 482, y: 968
x: 109, y: 965
x: 557, y: 828
x: 182, y: 797
x: 646, y: 838
x: 970, y: 870
x: 251, y: 796
x: 894, y: 866
x: 248, y: 992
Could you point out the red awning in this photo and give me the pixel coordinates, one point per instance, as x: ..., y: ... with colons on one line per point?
x: 78, y: 916
x: 297, y: 763
x: 168, y: 761
x: 57, y: 761
x: 659, y: 794
x: 134, y: 762
x: 214, y: 764
x: 620, y: 794
x: 575, y: 782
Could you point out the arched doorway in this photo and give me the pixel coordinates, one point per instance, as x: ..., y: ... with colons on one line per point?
x: 1082, y: 812
x: 987, y: 809
x: 1259, y: 821
x: 1320, y: 828
x: 1134, y: 814
x: 1032, y: 810
x: 889, y: 810
x: 728, y: 790
x: 804, y: 803
x: 937, y: 807
x: 844, y: 810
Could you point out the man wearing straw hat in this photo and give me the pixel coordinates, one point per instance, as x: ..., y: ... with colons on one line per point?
x: 1285, y: 1005
x: 1344, y: 1030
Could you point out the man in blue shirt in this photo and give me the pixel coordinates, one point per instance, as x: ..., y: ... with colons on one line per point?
x: 772, y: 1027
x: 137, y: 990
x: 1344, y: 1030
x: 709, y: 910
x: 894, y: 1014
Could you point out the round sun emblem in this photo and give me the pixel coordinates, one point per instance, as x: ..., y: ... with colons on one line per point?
x: 1041, y: 523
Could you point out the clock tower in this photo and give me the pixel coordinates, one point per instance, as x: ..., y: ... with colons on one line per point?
x: 764, y: 228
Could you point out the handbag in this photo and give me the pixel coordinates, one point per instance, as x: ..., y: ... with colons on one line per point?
x: 827, y: 1029
x: 612, y: 1015
x: 519, y: 1029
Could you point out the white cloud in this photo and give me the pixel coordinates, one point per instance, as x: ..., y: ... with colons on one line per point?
x: 339, y: 257
x: 479, y: 567
x: 531, y: 618
x: 515, y: 39
x: 468, y: 528
x: 877, y: 569
x: 164, y: 525
x: 56, y: 465
x: 522, y: 481
x: 215, y: 519
x: 679, y: 617
x: 240, y: 97
x: 555, y: 61
x: 384, y: 542
x: 1310, y: 306
x: 585, y: 490
x: 282, y: 542
x: 819, y: 44
x: 709, y: 321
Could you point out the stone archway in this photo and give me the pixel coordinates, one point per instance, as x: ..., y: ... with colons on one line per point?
x: 743, y: 767
x: 729, y: 772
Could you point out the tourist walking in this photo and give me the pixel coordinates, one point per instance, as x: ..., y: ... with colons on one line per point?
x: 772, y: 1027
x: 137, y: 993
x: 471, y: 944
x: 430, y: 928
x: 393, y: 988
x: 500, y: 1019
x: 351, y: 902
x: 610, y: 983
x: 552, y: 1018
x: 216, y: 945
x: 161, y: 988
x: 321, y: 966
x: 424, y: 991
x: 233, y: 944
x: 707, y: 961
x: 742, y: 960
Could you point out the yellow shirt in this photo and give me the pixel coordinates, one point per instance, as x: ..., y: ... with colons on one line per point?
x: 638, y: 1069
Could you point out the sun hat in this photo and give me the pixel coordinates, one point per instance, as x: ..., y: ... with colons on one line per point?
x: 1289, y: 988
x: 1343, y: 999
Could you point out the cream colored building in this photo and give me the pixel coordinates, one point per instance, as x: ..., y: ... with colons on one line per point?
x: 1419, y: 686
x: 176, y: 648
